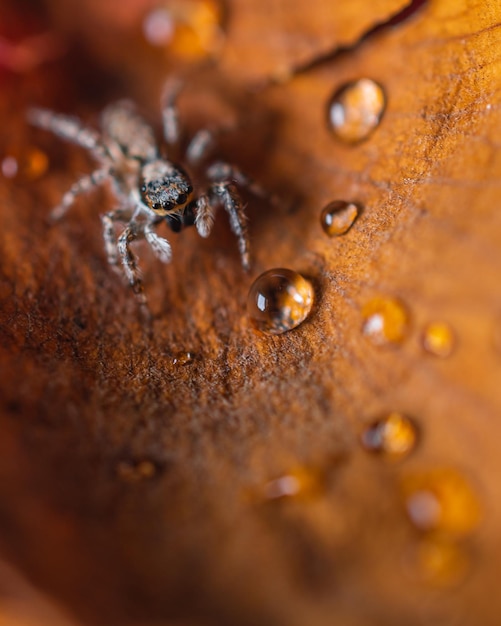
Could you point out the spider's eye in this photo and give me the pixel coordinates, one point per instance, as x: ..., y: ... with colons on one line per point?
x: 143, y: 189
x: 182, y: 197
x: 157, y: 207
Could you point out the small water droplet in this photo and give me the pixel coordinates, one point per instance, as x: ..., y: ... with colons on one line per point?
x: 356, y: 109
x: 183, y: 358
x: 441, y: 500
x: 35, y: 163
x: 30, y: 164
x: 190, y: 28
x: 440, y: 562
x: 393, y: 436
x: 338, y: 217
x: 136, y: 471
x: 299, y: 482
x: 386, y: 321
x: 438, y: 339
x: 279, y: 300
x: 158, y: 27
x: 9, y: 167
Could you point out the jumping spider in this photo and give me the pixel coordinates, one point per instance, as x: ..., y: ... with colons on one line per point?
x: 148, y: 187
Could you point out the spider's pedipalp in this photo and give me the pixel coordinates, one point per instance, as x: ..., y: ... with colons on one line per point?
x: 204, y: 216
x: 83, y: 185
x: 160, y: 246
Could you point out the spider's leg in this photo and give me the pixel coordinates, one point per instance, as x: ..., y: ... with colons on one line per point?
x: 170, y: 116
x: 131, y: 269
x: 110, y: 240
x: 70, y: 128
x: 227, y: 194
x: 84, y: 184
x: 199, y: 146
x: 159, y: 245
x: 225, y: 172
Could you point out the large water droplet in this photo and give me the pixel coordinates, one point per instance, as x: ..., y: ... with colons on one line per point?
x: 386, y: 321
x: 279, y: 300
x: 393, y: 436
x: 356, y: 110
x: 338, y: 217
x: 438, y: 339
x: 441, y: 500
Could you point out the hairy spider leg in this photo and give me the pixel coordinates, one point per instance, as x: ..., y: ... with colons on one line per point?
x: 71, y: 129
x: 225, y: 171
x: 131, y: 269
x: 170, y: 115
x: 226, y: 193
x: 83, y: 185
x: 199, y: 146
x: 110, y: 240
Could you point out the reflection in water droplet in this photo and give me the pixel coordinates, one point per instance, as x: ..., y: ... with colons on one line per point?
x: 393, y: 436
x: 183, y: 358
x: 190, y: 28
x: 441, y: 500
x: 438, y: 339
x: 356, y: 110
x: 386, y: 321
x: 135, y: 471
x: 299, y: 482
x: 440, y: 562
x: 338, y: 217
x: 279, y: 300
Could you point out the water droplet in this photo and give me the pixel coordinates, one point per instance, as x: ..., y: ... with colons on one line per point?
x: 35, y: 163
x: 190, y: 28
x: 279, y: 300
x: 441, y: 500
x: 9, y: 167
x: 440, y: 562
x: 386, y: 321
x: 299, y: 482
x: 393, y: 436
x: 438, y: 339
x: 30, y: 164
x: 338, y: 217
x: 136, y: 471
x: 183, y: 358
x: 158, y: 27
x: 356, y: 110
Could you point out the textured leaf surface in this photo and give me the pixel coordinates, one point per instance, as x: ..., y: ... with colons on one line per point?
x: 87, y: 389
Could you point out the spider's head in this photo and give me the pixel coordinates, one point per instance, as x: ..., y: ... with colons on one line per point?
x: 166, y: 188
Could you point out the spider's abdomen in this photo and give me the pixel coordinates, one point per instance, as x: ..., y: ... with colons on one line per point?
x: 123, y: 125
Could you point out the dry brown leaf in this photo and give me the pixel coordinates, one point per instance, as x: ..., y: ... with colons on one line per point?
x: 85, y: 388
